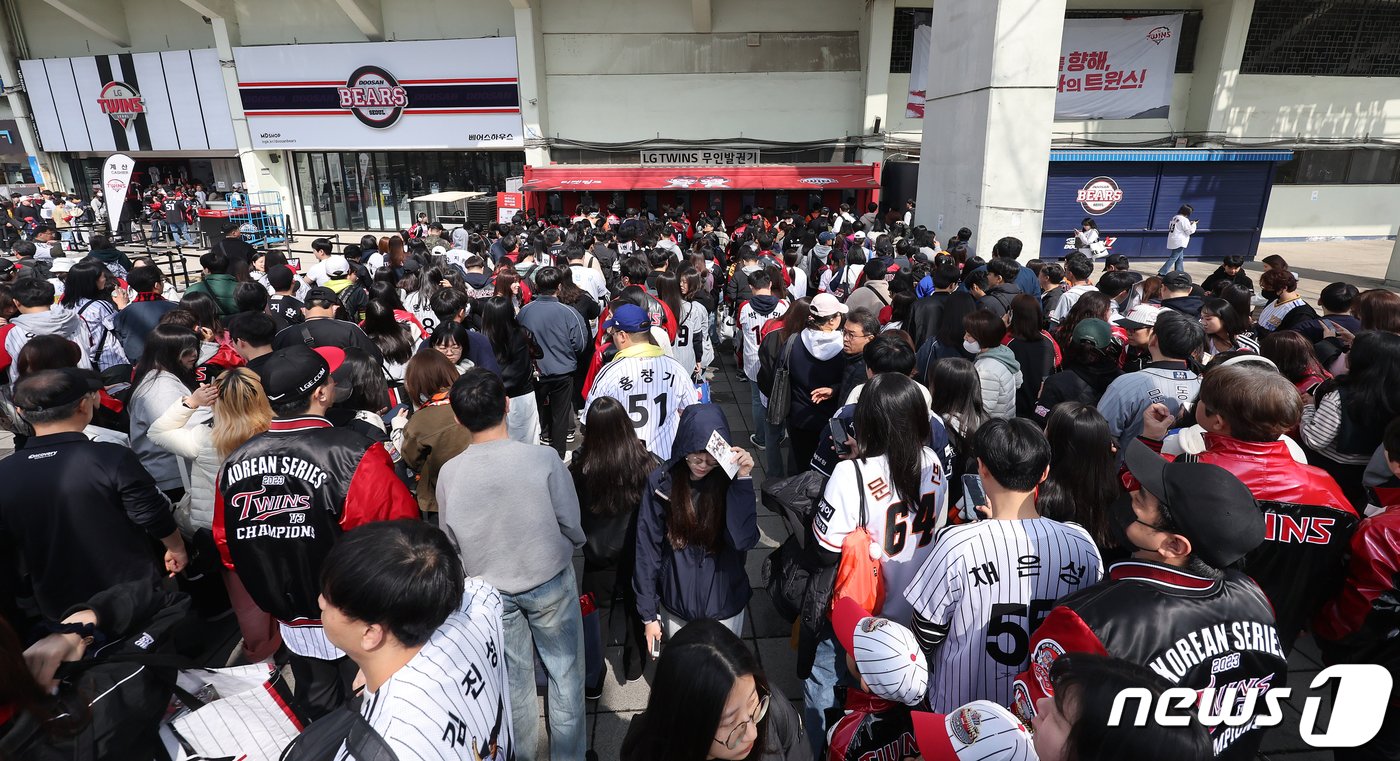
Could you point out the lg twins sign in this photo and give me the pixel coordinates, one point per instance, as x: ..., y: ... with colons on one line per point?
x: 120, y: 101
x: 434, y: 94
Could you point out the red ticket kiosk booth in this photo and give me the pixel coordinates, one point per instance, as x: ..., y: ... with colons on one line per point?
x: 560, y: 189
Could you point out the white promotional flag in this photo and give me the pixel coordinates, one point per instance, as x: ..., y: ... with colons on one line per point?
x: 918, y: 72
x: 1117, y: 68
x: 116, y: 177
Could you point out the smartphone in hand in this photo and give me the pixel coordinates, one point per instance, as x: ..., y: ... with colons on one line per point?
x: 838, y: 437
x: 974, y: 494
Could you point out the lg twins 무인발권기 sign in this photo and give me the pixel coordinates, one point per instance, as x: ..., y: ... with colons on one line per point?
x: 1117, y: 68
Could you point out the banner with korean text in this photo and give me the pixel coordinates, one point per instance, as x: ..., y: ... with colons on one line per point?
x: 1117, y: 68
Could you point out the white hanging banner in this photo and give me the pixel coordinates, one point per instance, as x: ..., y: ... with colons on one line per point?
x: 1117, y: 68
x: 918, y: 72
x: 116, y: 177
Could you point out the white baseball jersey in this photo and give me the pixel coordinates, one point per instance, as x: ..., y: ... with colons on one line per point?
x: 904, y: 532
x: 452, y: 700
x: 991, y: 583
x: 692, y: 346
x: 750, y: 325
x: 653, y: 390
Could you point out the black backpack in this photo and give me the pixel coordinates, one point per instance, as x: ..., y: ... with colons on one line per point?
x: 321, y: 740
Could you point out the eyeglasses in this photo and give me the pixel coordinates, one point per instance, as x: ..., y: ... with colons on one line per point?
x: 700, y: 461
x: 736, y: 735
x: 849, y: 334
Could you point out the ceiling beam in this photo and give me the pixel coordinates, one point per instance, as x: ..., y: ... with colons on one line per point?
x: 367, y: 15
x: 701, y: 16
x: 104, y: 18
x: 212, y: 9
x: 520, y: 5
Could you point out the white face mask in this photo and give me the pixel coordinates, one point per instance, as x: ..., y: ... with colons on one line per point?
x: 971, y: 347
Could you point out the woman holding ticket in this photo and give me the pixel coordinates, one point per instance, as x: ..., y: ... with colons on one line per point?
x: 697, y: 522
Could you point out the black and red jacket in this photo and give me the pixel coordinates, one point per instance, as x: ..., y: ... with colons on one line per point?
x: 1194, y: 631
x: 1307, y: 525
x: 1362, y: 623
x: 283, y: 498
x: 872, y: 728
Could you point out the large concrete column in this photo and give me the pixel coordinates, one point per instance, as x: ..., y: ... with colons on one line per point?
x: 28, y: 135
x: 1392, y: 271
x: 987, y: 122
x: 529, y: 53
x: 1219, y: 52
x: 876, y: 37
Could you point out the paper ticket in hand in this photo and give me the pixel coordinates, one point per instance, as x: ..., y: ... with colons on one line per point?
x: 719, y: 449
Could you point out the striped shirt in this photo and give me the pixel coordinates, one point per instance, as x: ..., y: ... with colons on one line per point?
x: 1322, y: 424
x: 991, y: 583
x: 451, y: 701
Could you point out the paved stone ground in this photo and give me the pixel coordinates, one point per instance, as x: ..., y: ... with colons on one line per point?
x: 1359, y: 262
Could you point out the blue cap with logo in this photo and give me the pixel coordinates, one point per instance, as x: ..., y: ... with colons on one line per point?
x: 630, y: 318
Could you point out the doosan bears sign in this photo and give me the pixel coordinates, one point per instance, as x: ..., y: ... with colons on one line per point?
x: 427, y: 95
x: 1099, y: 196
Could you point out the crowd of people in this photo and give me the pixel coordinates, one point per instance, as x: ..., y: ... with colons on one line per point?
x: 1016, y: 489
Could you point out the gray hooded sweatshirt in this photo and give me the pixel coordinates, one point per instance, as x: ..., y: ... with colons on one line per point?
x: 1000, y: 374
x: 57, y: 321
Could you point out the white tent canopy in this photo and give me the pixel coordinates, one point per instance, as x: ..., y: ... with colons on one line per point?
x: 449, y: 196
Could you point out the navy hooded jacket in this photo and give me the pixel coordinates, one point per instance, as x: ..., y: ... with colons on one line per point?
x: 692, y: 582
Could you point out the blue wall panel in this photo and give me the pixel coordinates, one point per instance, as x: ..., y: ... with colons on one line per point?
x: 1229, y: 200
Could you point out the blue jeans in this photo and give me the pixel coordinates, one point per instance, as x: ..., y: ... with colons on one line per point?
x: 773, y: 465
x: 181, y: 231
x: 819, y: 689
x: 1176, y: 258
x: 548, y: 619
x: 760, y: 427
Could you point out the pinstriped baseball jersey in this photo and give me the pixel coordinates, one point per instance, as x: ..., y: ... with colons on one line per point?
x: 991, y: 583
x: 451, y: 701
x: 653, y: 390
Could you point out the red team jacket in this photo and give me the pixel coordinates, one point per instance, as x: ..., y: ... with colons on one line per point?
x: 1307, y: 525
x: 1362, y: 623
x: 872, y: 729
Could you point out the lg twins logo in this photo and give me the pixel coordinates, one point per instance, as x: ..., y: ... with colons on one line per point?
x: 1159, y: 35
x: 120, y: 101
x: 1099, y: 195
x: 374, y: 96
x: 817, y: 181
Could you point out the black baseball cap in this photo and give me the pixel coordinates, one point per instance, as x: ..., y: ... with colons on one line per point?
x: 50, y: 389
x: 6, y: 267
x: 294, y: 372
x: 1209, y: 505
x: 322, y: 293
x: 1176, y: 281
x: 229, y: 227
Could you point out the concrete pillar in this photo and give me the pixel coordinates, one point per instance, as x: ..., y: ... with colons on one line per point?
x: 28, y: 135
x: 224, y: 42
x: 988, y: 119
x: 1219, y: 52
x: 529, y: 53
x: 876, y: 38
x: 1392, y: 271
